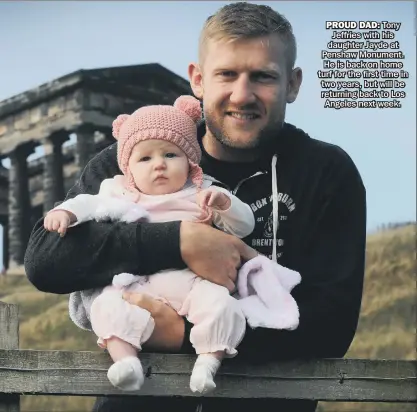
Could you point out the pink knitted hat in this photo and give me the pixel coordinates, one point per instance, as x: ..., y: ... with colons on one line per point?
x: 175, y: 124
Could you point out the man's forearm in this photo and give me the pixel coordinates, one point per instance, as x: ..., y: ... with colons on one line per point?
x: 92, y: 253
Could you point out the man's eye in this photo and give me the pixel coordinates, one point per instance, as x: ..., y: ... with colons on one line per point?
x: 263, y: 77
x: 227, y: 73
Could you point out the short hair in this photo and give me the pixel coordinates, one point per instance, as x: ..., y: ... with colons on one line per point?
x: 241, y: 20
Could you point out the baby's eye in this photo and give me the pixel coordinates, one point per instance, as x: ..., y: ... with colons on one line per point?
x: 144, y: 159
x: 171, y: 155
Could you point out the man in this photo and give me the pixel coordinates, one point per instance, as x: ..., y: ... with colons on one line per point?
x: 245, y: 77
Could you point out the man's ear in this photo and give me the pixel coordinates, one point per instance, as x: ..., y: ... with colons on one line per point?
x: 196, y: 79
x: 294, y: 84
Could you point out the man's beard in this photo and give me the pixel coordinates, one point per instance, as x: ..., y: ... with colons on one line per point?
x: 262, y: 140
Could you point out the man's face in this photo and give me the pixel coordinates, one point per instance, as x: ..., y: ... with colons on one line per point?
x: 245, y: 86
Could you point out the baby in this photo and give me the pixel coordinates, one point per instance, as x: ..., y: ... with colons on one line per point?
x: 159, y: 156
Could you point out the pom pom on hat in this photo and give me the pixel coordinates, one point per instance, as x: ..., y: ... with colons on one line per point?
x: 117, y: 124
x: 190, y: 106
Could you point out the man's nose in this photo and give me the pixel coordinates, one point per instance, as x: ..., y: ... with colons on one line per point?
x: 242, y: 92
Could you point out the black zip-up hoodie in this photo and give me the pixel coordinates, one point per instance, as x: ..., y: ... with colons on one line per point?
x: 321, y: 233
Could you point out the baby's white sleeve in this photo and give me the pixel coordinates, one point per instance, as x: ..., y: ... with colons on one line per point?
x: 82, y: 206
x: 238, y: 220
x: 103, y: 208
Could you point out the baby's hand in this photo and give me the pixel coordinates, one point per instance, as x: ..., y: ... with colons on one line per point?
x: 212, y: 198
x: 58, y: 221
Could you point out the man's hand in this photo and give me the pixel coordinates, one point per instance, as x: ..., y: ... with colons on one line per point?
x: 168, y: 334
x: 212, y: 254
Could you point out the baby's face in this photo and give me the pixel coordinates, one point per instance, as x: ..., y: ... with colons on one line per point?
x: 158, y: 167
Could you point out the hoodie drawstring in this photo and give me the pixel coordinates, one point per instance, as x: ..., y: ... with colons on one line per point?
x: 274, y: 206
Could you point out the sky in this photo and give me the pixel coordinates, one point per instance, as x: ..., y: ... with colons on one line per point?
x: 41, y: 41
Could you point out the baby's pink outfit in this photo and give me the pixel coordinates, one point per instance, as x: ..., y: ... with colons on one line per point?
x: 219, y: 323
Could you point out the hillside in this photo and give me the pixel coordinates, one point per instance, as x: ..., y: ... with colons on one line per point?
x: 386, y: 328
x: 387, y: 324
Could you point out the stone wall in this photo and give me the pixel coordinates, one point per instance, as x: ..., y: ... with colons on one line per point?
x: 84, y: 103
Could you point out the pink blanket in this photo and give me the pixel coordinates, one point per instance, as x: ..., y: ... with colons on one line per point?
x: 264, y: 290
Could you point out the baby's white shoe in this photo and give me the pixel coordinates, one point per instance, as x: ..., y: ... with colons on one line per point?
x: 204, y: 371
x: 126, y: 374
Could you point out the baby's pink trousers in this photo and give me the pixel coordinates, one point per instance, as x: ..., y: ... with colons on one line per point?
x: 218, y: 322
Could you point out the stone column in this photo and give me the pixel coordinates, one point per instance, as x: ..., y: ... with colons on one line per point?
x: 19, y: 203
x: 5, y: 225
x: 53, y: 173
x: 86, y: 148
